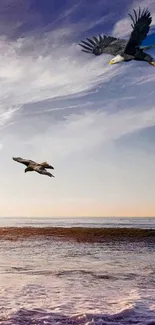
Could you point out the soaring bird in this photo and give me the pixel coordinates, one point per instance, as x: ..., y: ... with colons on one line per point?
x: 124, y: 50
x: 33, y: 166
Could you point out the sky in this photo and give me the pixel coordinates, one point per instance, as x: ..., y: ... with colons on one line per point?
x: 95, y: 123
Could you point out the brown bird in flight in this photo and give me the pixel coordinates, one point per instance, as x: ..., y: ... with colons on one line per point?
x: 33, y: 166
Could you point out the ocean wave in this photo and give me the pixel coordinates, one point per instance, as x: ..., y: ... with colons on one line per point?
x: 142, y: 316
x: 80, y: 234
x: 65, y: 273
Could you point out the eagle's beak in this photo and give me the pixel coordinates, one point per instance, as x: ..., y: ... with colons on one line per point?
x: 111, y: 62
x: 152, y: 63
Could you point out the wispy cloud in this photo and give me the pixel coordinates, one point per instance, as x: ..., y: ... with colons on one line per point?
x: 33, y: 77
x: 83, y: 132
x: 6, y: 114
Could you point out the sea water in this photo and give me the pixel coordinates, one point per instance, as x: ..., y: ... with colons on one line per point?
x: 94, y: 271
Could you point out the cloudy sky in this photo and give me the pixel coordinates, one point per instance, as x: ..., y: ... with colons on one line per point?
x: 95, y: 123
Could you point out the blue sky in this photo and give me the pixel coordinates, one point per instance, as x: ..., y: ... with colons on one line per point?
x: 94, y: 122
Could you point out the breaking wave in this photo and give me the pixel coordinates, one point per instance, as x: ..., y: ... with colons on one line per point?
x: 138, y: 315
x: 81, y: 234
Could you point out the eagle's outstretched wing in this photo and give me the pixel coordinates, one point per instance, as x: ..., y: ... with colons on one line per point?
x: 26, y: 162
x: 141, y: 25
x: 46, y: 165
x: 103, y: 44
x: 41, y: 170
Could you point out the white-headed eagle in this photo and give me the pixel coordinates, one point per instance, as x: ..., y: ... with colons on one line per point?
x: 124, y: 50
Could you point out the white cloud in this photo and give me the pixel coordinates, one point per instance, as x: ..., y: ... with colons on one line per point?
x: 7, y: 113
x: 122, y: 28
x: 83, y: 132
x: 31, y: 76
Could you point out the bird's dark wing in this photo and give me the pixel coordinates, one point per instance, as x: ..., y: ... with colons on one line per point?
x: 46, y: 165
x: 103, y: 44
x: 26, y: 162
x: 48, y: 174
x: 141, y: 25
x: 42, y: 170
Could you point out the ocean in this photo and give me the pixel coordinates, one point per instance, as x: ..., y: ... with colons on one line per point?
x: 77, y: 271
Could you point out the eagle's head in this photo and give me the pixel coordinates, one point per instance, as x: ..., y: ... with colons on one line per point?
x: 118, y: 58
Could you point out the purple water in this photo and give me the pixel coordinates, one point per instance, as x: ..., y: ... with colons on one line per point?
x: 49, y: 280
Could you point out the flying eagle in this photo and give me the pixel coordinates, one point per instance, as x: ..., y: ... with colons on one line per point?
x: 33, y: 166
x: 124, y: 50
